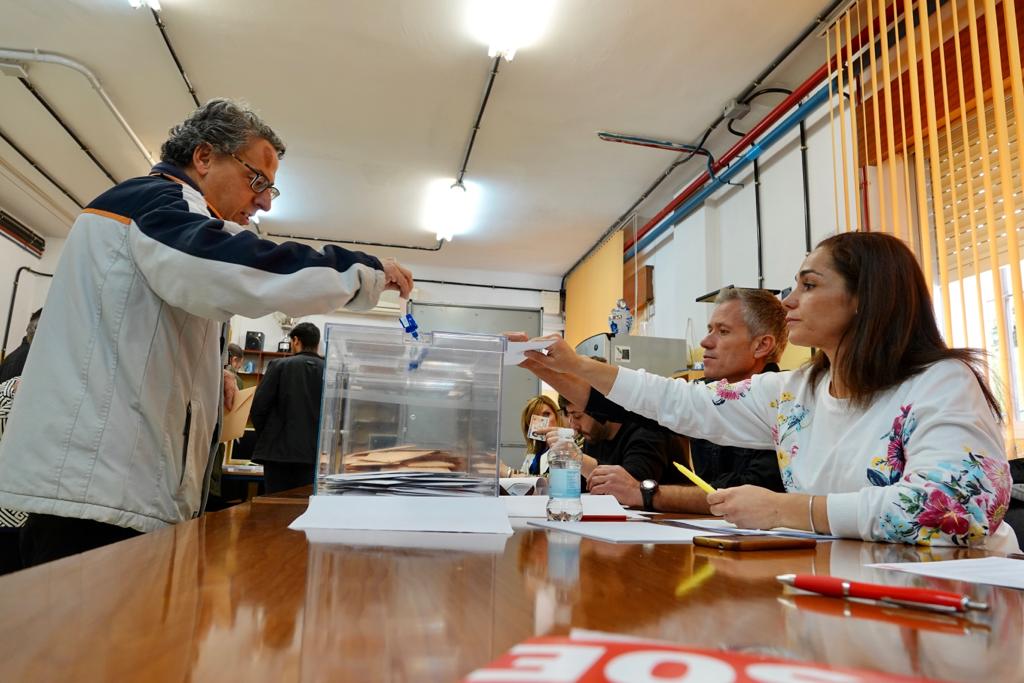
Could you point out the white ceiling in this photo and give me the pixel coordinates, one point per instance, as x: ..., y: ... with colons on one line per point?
x: 374, y: 99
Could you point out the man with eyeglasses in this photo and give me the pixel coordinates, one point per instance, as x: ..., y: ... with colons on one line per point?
x: 119, y: 410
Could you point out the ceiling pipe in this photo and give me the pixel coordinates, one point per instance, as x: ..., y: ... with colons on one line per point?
x: 174, y: 55
x: 67, y: 129
x: 695, y: 199
x: 436, y: 247
x: 39, y: 57
x: 42, y: 171
x: 771, y: 118
x: 751, y: 87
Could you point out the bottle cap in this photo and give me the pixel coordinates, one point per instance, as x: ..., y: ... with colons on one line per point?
x: 566, y: 433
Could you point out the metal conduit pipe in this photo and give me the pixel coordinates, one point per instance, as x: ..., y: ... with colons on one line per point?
x: 10, y: 309
x: 39, y: 57
x: 67, y: 129
x: 807, y: 187
x: 174, y: 55
x: 695, y: 200
x: 751, y: 87
x: 772, y: 117
x: 759, y: 231
x: 436, y: 247
x: 42, y: 171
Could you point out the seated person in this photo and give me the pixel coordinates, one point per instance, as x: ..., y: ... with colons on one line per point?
x: 535, y: 462
x: 639, y: 448
x: 746, y: 336
x: 886, y: 434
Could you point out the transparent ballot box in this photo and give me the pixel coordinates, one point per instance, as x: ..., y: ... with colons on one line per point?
x: 404, y: 416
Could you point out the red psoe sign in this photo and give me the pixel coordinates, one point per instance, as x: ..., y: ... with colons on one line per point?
x: 565, y: 660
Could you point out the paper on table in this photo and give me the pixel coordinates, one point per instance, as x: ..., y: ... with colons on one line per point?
x: 235, y: 419
x: 730, y: 528
x: 514, y: 351
x: 519, y: 486
x: 995, y: 571
x: 626, y: 532
x: 468, y: 514
x: 595, y: 505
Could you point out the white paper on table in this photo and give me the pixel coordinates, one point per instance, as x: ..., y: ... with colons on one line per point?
x: 518, y: 486
x: 995, y: 571
x: 464, y: 514
x: 728, y: 527
x: 515, y: 350
x: 595, y: 505
x: 626, y: 532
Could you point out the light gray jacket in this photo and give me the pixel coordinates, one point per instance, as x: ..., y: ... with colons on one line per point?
x: 119, y: 403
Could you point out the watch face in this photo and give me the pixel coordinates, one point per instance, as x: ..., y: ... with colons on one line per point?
x: 648, y: 484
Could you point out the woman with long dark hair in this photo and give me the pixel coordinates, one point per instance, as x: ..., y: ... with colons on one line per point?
x: 886, y: 435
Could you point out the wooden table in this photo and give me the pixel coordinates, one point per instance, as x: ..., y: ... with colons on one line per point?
x: 235, y: 596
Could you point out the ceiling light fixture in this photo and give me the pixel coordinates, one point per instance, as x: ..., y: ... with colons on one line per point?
x: 450, y: 207
x: 505, y: 26
x: 151, y: 4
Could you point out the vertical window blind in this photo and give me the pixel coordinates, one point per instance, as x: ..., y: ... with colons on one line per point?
x: 926, y: 113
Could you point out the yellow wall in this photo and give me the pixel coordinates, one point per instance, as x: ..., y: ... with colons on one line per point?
x: 794, y: 356
x: 591, y: 292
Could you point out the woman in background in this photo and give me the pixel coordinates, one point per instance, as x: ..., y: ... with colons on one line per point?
x: 540, y: 406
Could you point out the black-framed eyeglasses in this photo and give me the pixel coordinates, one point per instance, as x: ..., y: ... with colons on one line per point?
x: 259, y: 183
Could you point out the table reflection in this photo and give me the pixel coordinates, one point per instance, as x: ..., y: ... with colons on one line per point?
x: 381, y: 614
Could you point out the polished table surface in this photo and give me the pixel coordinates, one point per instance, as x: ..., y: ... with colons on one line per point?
x: 237, y: 596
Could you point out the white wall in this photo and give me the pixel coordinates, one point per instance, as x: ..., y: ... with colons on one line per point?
x: 717, y: 244
x: 32, y: 289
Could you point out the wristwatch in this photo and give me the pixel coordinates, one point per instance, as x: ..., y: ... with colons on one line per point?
x: 648, y: 487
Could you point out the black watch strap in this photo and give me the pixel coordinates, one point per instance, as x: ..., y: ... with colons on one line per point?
x: 648, y: 496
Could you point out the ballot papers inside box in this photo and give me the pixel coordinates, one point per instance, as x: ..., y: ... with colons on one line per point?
x: 404, y: 416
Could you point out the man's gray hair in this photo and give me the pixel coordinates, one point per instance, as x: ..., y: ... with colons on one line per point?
x: 224, y: 124
x: 763, y: 313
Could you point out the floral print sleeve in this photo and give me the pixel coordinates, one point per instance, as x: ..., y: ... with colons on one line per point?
x: 941, y: 476
x: 726, y: 414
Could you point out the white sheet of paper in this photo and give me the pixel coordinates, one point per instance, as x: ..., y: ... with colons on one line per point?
x: 518, y: 486
x: 729, y: 528
x: 514, y: 351
x: 466, y: 514
x: 996, y: 571
x: 625, y: 532
x: 536, y: 506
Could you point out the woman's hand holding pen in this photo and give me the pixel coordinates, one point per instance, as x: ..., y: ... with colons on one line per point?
x: 749, y: 507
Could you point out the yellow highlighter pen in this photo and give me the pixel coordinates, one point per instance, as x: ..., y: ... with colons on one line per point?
x: 703, y: 485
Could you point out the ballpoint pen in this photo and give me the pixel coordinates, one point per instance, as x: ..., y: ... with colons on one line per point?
x: 940, y: 622
x: 692, y: 476
x: 923, y: 598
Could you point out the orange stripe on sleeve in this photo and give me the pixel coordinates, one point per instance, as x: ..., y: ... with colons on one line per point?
x: 106, y: 214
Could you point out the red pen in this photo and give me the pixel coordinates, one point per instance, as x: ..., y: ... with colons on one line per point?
x: 604, y: 518
x: 924, y: 598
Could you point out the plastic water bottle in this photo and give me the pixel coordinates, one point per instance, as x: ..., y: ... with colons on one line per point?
x: 564, y: 461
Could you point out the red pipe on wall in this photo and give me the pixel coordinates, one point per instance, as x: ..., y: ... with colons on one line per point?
x: 764, y: 124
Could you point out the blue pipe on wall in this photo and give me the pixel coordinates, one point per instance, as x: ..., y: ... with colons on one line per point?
x: 755, y: 151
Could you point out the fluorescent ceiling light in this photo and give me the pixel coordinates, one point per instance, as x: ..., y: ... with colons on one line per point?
x: 508, y: 25
x: 450, y: 208
x: 152, y: 4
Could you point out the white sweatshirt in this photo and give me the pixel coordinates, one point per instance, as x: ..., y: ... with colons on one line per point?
x: 923, y: 464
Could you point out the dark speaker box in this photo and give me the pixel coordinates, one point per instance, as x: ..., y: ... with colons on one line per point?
x: 254, y: 341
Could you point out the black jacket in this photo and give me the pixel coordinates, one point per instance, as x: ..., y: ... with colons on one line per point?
x: 643, y: 450
x: 720, y: 466
x: 15, y: 362
x: 286, y: 409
